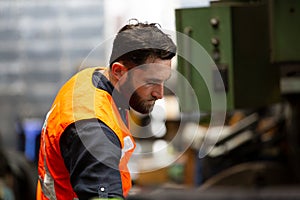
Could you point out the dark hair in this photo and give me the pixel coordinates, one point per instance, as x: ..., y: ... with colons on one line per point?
x: 136, y: 42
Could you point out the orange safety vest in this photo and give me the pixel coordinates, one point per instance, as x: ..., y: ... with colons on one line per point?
x: 78, y: 99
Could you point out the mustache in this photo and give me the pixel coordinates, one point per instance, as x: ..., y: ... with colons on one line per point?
x: 153, y: 99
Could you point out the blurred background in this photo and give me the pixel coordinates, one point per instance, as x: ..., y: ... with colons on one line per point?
x: 239, y: 130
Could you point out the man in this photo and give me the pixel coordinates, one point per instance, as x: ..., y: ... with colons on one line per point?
x: 85, y: 141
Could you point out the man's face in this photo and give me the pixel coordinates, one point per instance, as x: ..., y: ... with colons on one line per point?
x: 144, y: 84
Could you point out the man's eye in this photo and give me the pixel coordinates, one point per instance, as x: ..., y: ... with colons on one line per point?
x: 151, y: 83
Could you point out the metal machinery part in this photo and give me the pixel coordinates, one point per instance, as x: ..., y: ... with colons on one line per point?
x: 255, y: 45
x: 250, y: 43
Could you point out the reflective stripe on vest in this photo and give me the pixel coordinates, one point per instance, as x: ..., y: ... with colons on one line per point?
x: 78, y: 99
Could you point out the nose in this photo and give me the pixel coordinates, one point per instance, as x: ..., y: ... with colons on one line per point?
x: 158, y: 91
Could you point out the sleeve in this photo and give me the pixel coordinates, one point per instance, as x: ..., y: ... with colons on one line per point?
x: 92, y: 152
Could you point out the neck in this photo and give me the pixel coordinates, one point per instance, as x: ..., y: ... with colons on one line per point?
x: 111, y: 78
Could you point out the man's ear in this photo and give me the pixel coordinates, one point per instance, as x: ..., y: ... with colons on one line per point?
x: 118, y: 70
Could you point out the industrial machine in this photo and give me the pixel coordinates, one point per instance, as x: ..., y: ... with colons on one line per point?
x: 248, y: 52
x: 250, y: 42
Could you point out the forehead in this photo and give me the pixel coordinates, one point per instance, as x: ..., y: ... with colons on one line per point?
x: 158, y: 69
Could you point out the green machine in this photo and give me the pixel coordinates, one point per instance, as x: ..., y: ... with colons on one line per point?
x: 244, y: 44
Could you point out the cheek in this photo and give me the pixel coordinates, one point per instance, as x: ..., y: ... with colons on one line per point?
x: 144, y: 91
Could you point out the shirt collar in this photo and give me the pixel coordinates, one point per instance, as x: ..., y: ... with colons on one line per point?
x: 101, y: 82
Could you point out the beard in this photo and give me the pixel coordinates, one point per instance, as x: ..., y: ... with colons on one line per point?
x: 135, y: 100
x: 141, y: 105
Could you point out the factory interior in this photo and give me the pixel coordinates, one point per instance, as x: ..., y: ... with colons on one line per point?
x: 228, y: 126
